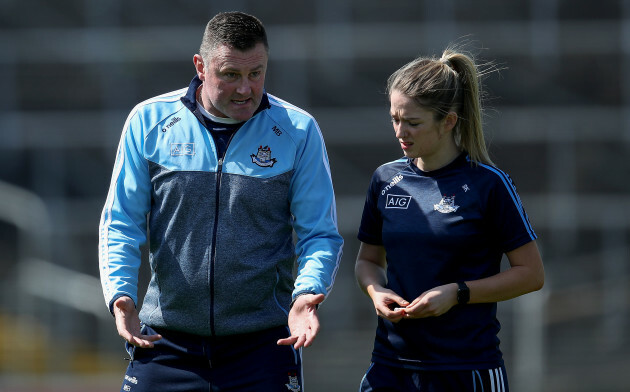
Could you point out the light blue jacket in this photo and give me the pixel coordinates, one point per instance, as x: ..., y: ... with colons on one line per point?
x: 221, y: 245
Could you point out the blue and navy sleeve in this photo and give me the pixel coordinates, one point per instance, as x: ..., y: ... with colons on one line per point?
x: 123, y: 226
x: 506, y: 214
x: 319, y: 245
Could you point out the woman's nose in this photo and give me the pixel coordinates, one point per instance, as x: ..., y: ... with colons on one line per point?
x: 399, y: 130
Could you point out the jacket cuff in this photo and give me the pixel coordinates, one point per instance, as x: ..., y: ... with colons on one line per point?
x: 295, y: 297
x: 111, y: 303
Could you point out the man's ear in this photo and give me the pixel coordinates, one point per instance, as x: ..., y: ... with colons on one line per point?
x: 199, y: 66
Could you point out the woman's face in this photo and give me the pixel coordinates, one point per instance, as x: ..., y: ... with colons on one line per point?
x: 417, y: 131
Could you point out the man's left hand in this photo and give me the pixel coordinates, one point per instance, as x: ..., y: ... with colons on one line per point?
x: 303, y: 321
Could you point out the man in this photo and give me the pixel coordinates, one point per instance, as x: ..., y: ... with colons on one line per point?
x: 221, y: 174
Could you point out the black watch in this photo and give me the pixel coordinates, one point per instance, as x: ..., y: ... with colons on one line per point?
x: 463, y: 293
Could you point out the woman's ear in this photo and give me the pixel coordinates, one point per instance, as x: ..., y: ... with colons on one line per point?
x: 450, y: 121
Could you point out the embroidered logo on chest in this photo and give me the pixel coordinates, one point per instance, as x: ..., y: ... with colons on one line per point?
x: 263, y: 157
x: 446, y: 205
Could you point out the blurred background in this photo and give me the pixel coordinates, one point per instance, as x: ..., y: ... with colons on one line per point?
x: 557, y: 120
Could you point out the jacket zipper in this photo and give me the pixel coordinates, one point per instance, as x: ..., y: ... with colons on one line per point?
x: 213, y: 253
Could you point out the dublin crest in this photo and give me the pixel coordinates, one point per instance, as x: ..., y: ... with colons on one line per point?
x: 263, y: 157
x: 294, y: 384
x: 446, y: 205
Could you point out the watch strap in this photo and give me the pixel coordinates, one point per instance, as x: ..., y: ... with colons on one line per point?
x: 463, y: 293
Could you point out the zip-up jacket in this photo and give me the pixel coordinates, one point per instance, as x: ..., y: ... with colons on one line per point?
x: 221, y: 244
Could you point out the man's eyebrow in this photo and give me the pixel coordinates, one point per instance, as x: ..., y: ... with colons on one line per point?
x: 233, y: 68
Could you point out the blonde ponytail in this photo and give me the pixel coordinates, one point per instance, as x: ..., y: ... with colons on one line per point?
x: 450, y: 83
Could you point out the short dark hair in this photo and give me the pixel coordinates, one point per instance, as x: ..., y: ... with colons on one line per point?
x: 235, y: 29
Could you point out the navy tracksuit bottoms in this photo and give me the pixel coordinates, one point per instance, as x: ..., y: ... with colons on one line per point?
x: 186, y: 363
x: 383, y: 378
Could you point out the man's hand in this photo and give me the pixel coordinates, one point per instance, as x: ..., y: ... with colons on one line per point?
x: 303, y: 321
x: 128, y: 324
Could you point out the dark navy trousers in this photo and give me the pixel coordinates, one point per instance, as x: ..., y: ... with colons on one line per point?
x: 187, y: 363
x: 383, y: 378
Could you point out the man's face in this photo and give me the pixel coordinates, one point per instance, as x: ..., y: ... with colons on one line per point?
x: 233, y: 82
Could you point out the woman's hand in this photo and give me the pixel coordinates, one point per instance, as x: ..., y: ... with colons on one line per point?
x: 387, y: 304
x: 433, y: 303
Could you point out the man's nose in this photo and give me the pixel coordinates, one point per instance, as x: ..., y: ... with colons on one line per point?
x: 244, y: 87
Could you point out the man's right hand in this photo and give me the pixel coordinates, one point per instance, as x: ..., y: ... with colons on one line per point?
x: 128, y: 324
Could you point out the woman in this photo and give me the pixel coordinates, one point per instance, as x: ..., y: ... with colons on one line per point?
x: 435, y: 226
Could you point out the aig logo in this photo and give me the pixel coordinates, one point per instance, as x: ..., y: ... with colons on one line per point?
x: 178, y: 149
x: 398, y: 201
